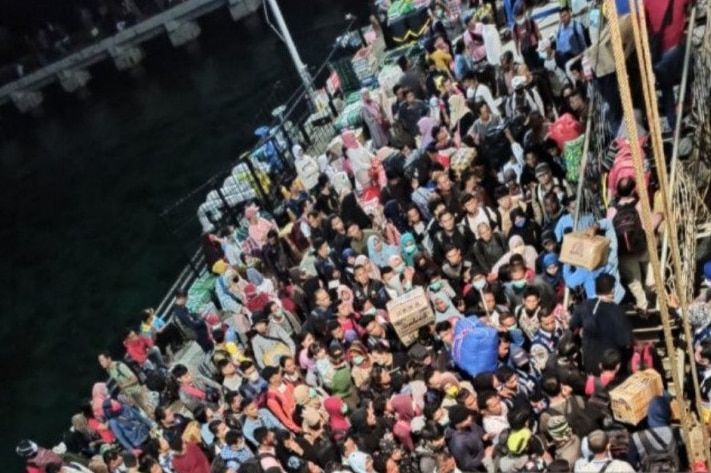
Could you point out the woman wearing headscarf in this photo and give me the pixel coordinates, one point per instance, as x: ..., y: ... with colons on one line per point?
x: 375, y: 119
x: 96, y: 424
x: 444, y: 308
x: 380, y: 252
x: 258, y: 226
x: 282, y: 318
x: 306, y: 168
x: 408, y: 249
x: 461, y: 117
x: 351, y: 211
x: 425, y: 126
x: 402, y: 405
x: 359, y: 158
x: 361, y: 462
x: 517, y: 247
x: 372, y: 269
x: 553, y: 273
x: 99, y: 393
x: 336, y: 409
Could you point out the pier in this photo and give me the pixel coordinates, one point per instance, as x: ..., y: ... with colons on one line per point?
x: 124, y: 48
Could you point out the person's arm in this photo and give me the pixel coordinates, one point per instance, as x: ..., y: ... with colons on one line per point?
x: 120, y: 436
x: 123, y: 370
x: 277, y: 409
x: 486, y: 94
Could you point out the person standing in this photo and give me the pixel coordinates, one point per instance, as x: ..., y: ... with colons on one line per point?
x: 126, y: 380
x: 603, y: 325
x: 526, y: 36
x: 375, y: 119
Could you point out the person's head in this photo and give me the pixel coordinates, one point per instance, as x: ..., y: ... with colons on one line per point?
x: 611, y: 360
x: 403, y: 62
x: 490, y: 403
x: 485, y: 232
x: 181, y: 373
x: 321, y: 247
x: 444, y: 332
x: 234, y: 439
x: 546, y: 320
x: 484, y: 112
x: 598, y: 443
x: 517, y: 274
x: 105, y: 359
x: 460, y: 417
x: 543, y: 174
x: 360, y: 273
x: 507, y: 60
x: 164, y: 415
x: 576, y: 100
x: 550, y: 385
x: 605, y: 285
x: 446, y: 221
x: 565, y: 16
x: 520, y: 13
x: 444, y: 183
x: 507, y: 377
x: 322, y: 298
x: 264, y: 437
x: 489, y: 300
x: 249, y: 370
x: 453, y: 255
x: 551, y: 204
x: 176, y: 444
x: 410, y: 96
x: 413, y: 214
x: 519, y: 416
x: 181, y: 297
x: 703, y: 353
x: 625, y: 187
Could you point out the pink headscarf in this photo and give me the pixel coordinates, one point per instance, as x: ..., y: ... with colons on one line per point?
x: 337, y: 419
x: 345, y: 293
x: 425, y: 125
x: 349, y: 140
x: 362, y: 260
x: 99, y: 393
x: 402, y: 405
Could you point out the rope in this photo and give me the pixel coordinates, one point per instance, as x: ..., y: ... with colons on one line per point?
x: 639, y: 29
x: 646, y: 214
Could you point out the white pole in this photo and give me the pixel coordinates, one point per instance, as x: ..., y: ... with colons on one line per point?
x: 293, y: 52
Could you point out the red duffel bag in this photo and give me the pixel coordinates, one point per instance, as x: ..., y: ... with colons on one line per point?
x: 565, y: 129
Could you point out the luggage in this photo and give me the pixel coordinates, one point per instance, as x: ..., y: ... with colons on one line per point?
x: 565, y: 129
x: 475, y: 348
x: 631, y: 399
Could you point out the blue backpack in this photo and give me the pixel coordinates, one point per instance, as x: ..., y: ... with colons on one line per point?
x: 475, y: 348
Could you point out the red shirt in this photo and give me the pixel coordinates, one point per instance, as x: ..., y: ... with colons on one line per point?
x: 674, y: 34
x: 191, y: 461
x: 137, y: 349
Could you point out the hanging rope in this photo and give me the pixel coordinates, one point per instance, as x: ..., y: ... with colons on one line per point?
x: 646, y: 214
x: 639, y: 29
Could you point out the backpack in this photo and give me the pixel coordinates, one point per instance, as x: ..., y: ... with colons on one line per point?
x: 581, y: 424
x: 660, y: 456
x: 208, y: 364
x: 494, y: 147
x: 527, y: 33
x: 642, y: 358
x: 628, y: 228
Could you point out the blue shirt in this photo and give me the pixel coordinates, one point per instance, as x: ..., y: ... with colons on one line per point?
x: 264, y: 419
x: 571, y: 38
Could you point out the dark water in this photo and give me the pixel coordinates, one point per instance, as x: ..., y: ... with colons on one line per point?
x: 82, y: 187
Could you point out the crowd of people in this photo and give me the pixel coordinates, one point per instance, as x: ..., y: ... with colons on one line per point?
x: 460, y: 189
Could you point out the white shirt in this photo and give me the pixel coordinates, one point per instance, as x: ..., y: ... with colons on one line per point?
x: 594, y: 466
x: 482, y: 93
x: 308, y: 171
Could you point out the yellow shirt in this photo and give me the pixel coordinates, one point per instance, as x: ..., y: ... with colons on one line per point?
x: 441, y: 60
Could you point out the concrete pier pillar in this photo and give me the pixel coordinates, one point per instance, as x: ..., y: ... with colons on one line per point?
x: 73, y: 80
x: 27, y: 100
x: 181, y: 33
x: 127, y: 58
x: 241, y: 8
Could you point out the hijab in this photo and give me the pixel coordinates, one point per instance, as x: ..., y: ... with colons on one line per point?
x: 357, y: 461
x: 374, y: 273
x: 402, y: 405
x: 659, y: 412
x: 551, y: 259
x: 297, y: 151
x: 349, y: 140
x: 380, y: 258
x: 99, y: 393
x: 335, y: 406
x: 425, y: 125
x: 458, y: 109
x: 408, y: 248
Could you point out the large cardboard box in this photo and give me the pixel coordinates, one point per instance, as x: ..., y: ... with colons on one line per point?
x: 630, y: 400
x: 587, y: 252
x: 408, y: 313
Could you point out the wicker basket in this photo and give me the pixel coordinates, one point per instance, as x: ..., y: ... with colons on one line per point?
x: 631, y: 399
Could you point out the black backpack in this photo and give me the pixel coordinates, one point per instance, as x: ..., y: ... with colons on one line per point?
x: 628, y: 228
x: 660, y: 456
x: 620, y: 441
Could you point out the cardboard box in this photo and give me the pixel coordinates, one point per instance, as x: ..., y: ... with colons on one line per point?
x: 408, y: 313
x: 587, y: 252
x: 630, y: 400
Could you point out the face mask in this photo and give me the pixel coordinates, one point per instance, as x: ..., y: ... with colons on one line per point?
x: 560, y: 196
x: 344, y: 408
x: 452, y: 391
x: 520, y: 21
x: 278, y: 314
x: 400, y: 268
x: 358, y: 360
x: 543, y: 55
x: 444, y: 420
x: 408, y: 285
x: 410, y: 248
x: 312, y: 393
x: 436, y: 286
x: 370, y: 311
x: 253, y: 377
x: 440, y: 13
x: 519, y: 284
x: 520, y: 223
x: 479, y: 284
